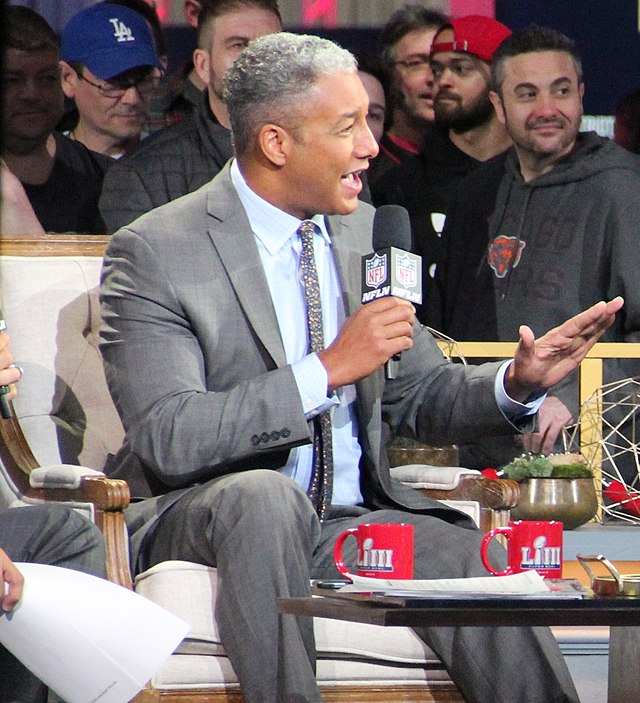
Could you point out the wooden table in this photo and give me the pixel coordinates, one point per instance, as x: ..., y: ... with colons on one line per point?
x: 621, y: 614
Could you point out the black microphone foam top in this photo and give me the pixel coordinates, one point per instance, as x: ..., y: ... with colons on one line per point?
x: 391, y: 228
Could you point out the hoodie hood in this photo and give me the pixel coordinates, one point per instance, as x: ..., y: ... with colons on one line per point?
x: 592, y: 155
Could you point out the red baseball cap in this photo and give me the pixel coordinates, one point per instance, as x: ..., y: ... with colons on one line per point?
x: 474, y: 34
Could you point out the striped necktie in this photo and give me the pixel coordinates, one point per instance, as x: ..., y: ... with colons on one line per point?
x: 321, y: 486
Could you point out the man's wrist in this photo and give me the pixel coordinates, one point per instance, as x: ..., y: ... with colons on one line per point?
x: 511, y: 406
x: 516, y: 390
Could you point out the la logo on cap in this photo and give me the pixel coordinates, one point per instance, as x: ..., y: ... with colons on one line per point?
x: 120, y: 30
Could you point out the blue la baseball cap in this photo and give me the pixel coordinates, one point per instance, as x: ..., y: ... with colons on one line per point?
x: 108, y: 40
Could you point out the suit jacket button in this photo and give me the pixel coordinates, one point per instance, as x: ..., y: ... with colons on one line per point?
x: 255, y: 440
x: 285, y: 432
x: 264, y: 437
x: 275, y: 435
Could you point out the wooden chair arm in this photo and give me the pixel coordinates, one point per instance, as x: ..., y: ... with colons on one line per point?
x: 496, y: 494
x: 496, y: 497
x: 109, y: 497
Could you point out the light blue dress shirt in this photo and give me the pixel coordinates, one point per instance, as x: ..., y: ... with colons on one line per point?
x: 279, y: 247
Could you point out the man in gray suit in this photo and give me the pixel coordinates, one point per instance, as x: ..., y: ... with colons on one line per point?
x: 205, y: 347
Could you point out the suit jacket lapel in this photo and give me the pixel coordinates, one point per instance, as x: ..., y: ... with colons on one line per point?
x: 347, y: 262
x: 234, y: 241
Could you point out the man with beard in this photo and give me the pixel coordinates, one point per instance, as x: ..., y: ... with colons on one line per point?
x: 179, y: 159
x: 61, y: 178
x: 467, y: 133
x: 544, y: 231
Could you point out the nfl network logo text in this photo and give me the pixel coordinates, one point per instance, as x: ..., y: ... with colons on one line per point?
x: 120, y: 30
x: 375, y: 559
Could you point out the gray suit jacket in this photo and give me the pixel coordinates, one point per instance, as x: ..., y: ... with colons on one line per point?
x: 197, y: 369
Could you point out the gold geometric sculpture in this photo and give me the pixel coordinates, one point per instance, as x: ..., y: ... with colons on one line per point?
x: 449, y: 347
x: 614, y: 456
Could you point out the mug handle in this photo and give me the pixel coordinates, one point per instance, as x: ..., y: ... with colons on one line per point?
x: 484, y: 546
x: 337, y: 552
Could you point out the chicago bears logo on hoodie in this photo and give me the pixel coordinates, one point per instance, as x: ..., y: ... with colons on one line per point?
x: 504, y: 254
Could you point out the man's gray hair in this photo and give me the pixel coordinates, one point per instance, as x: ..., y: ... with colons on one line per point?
x: 272, y: 76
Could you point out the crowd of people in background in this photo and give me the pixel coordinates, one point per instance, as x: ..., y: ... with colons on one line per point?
x: 519, y: 217
x: 113, y: 95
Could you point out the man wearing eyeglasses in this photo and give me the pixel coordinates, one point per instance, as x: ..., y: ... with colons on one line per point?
x: 405, y: 44
x: 109, y: 66
x: 183, y: 157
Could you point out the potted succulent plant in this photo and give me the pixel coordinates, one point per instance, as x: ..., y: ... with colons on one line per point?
x: 553, y: 487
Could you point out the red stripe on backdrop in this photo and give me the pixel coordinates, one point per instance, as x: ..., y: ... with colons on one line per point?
x: 320, y: 12
x: 461, y: 8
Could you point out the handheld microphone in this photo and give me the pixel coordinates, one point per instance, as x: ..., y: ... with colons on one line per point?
x: 5, y: 408
x: 391, y: 269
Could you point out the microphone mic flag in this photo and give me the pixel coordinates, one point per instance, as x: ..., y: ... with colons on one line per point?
x: 391, y: 269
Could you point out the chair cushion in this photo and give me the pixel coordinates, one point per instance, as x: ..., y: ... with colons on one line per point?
x: 188, y: 671
x: 345, y: 648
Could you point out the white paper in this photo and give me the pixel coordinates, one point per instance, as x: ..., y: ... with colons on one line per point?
x: 524, y: 583
x: 86, y: 638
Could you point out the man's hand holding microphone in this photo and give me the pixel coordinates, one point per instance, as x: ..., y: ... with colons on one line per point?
x: 382, y: 328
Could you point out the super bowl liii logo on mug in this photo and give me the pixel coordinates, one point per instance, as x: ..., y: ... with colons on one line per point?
x: 384, y: 550
x: 539, y: 556
x: 374, y: 559
x: 532, y: 545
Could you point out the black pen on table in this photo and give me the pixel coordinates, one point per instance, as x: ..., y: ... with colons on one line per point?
x: 5, y: 407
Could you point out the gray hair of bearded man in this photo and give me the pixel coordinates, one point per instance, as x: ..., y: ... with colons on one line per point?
x: 270, y: 79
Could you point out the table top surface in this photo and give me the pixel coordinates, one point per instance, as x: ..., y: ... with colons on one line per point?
x: 476, y: 611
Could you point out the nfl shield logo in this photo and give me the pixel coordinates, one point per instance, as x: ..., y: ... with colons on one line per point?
x: 406, y: 271
x: 376, y: 270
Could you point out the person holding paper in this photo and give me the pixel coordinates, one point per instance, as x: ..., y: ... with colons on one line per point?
x: 12, y: 580
x: 45, y: 534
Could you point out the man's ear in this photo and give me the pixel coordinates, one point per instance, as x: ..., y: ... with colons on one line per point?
x: 191, y: 12
x: 69, y: 79
x: 496, y: 101
x: 275, y: 144
x: 202, y: 64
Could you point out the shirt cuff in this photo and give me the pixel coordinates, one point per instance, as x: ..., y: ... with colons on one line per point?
x: 312, y: 380
x: 512, y: 409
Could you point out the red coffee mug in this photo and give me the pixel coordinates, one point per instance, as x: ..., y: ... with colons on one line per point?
x: 384, y: 551
x: 532, y: 544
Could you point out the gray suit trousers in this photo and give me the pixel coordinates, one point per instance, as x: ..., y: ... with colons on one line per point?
x: 44, y: 534
x: 260, y: 531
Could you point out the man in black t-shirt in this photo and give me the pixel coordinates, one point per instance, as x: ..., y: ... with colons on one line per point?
x: 61, y: 178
